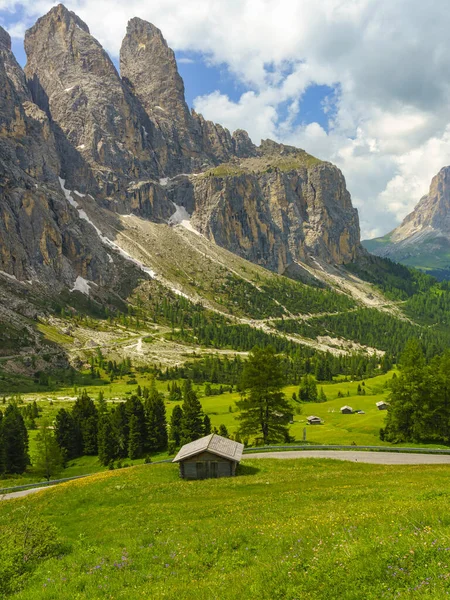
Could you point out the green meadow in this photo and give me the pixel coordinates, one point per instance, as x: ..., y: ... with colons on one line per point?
x: 359, y: 429
x: 281, y: 530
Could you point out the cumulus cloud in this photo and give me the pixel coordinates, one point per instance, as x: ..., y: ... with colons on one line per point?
x: 389, y: 63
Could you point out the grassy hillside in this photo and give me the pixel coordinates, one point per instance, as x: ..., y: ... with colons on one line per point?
x: 431, y: 254
x: 281, y: 530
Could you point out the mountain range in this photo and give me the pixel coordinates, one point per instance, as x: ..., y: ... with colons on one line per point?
x: 118, y: 203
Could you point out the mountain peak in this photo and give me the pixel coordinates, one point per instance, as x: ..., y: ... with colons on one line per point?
x: 423, y: 237
x: 5, y: 39
x: 149, y: 67
x: 61, y: 14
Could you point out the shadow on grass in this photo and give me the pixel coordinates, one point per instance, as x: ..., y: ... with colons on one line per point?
x: 245, y: 470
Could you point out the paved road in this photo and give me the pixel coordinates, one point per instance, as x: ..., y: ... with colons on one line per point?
x: 23, y: 493
x: 376, y: 458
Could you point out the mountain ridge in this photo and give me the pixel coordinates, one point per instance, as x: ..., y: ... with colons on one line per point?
x: 422, y: 240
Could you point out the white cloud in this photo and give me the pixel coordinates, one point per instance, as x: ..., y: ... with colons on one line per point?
x: 388, y: 60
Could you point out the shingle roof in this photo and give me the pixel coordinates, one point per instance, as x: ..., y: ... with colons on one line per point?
x: 346, y: 407
x: 216, y: 444
x: 313, y: 417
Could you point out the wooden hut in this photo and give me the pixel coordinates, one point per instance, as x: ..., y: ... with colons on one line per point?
x: 346, y: 410
x: 209, y: 457
x: 312, y: 420
x: 381, y: 405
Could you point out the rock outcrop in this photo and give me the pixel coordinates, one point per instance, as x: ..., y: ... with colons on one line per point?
x: 279, y: 208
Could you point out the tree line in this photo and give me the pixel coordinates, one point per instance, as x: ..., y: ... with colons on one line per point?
x: 419, y: 408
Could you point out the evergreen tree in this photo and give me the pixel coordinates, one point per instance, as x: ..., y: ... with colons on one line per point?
x: 206, y: 425
x: 155, y: 412
x: 15, y: 441
x: 409, y: 397
x: 192, y: 420
x: 264, y: 410
x: 322, y: 396
x: 223, y: 431
x: 175, y: 425
x: 48, y: 459
x: 135, y: 442
x: 101, y: 404
x: 120, y: 428
x: 85, y: 416
x: 308, y: 389
x: 107, y: 444
x: 135, y: 408
x: 67, y: 435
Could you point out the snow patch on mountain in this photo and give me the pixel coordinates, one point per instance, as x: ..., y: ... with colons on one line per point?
x: 81, y: 285
x: 83, y: 215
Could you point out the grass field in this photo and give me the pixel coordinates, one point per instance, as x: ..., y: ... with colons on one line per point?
x: 281, y: 530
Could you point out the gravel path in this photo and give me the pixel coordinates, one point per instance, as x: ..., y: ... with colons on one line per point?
x: 376, y: 458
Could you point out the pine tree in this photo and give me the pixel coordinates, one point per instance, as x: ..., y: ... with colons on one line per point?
x: 135, y: 408
x: 101, y: 404
x: 15, y: 440
x: 48, y: 459
x: 322, y: 396
x: 67, y: 435
x: 223, y: 431
x: 107, y: 444
x: 206, y: 425
x: 192, y: 420
x: 155, y: 412
x: 119, y: 424
x: 264, y: 408
x: 409, y: 397
x: 308, y: 389
x: 85, y: 416
x: 175, y: 425
x: 135, y: 446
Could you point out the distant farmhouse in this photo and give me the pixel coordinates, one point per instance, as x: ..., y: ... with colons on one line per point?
x: 209, y: 457
x: 312, y: 420
x: 346, y: 410
x: 381, y: 405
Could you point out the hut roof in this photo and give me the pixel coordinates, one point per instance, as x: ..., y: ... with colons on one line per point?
x: 216, y: 444
x: 346, y: 407
x: 313, y: 417
x: 381, y: 402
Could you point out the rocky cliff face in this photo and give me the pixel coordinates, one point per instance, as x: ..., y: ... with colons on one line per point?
x: 40, y: 234
x: 104, y: 139
x: 124, y: 144
x: 149, y: 69
x: 423, y: 238
x: 279, y: 208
